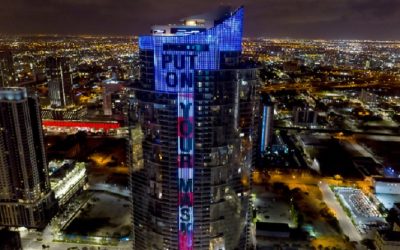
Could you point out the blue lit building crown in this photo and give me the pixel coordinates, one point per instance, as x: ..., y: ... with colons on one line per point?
x: 226, y: 36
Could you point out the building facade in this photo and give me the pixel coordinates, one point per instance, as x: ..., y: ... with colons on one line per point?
x: 111, y: 97
x: 25, y: 196
x: 74, y: 112
x: 197, y: 106
x: 60, y: 80
x: 267, y: 118
x: 58, y: 71
x: 305, y: 116
x: 385, y: 185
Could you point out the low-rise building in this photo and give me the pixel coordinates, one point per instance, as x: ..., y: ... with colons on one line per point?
x: 67, y: 178
x: 384, y: 185
x: 387, y: 240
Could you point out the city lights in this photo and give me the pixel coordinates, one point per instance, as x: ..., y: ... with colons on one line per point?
x: 273, y: 125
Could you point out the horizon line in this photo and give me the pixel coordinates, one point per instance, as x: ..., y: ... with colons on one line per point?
x: 2, y: 35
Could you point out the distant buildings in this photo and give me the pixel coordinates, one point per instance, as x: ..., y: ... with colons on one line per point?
x: 25, y: 196
x: 197, y: 107
x: 59, y: 76
x: 368, y: 98
x: 305, y: 116
x: 62, y: 107
x: 111, y: 94
x: 7, y: 74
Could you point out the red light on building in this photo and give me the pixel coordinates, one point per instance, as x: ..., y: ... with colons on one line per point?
x: 82, y: 124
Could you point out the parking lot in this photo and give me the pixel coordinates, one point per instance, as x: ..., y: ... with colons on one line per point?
x: 363, y: 212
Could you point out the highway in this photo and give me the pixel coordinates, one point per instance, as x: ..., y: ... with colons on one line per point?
x: 313, y: 86
x: 334, y: 131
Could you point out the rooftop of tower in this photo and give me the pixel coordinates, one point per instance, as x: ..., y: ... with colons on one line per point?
x: 195, y: 24
x: 12, y: 93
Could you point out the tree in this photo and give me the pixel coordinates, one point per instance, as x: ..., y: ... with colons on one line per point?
x: 392, y: 216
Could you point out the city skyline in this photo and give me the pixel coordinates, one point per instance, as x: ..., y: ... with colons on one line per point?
x: 358, y: 19
x: 183, y: 134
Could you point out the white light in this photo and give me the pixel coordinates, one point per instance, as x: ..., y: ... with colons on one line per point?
x: 72, y: 178
x: 191, y: 23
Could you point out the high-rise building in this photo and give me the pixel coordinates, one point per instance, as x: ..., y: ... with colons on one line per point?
x: 7, y: 75
x: 25, y: 196
x: 58, y: 71
x: 197, y: 104
x: 60, y: 79
x: 267, y: 108
x: 111, y: 96
x: 305, y: 116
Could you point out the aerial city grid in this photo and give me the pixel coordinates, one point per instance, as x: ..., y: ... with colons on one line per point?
x: 241, y: 125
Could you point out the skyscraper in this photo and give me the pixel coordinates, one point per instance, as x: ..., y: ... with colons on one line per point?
x: 267, y: 108
x: 7, y: 75
x: 25, y: 196
x: 197, y: 103
x: 59, y: 77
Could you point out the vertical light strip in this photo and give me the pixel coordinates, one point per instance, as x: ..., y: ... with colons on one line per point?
x: 263, y: 129
x: 185, y: 169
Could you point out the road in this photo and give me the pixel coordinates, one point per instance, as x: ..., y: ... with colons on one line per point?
x: 111, y: 189
x: 317, y: 85
x: 344, y: 221
x: 335, y: 131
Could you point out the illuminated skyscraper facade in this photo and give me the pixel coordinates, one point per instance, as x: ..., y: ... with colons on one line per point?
x: 25, y: 196
x: 196, y: 103
x: 266, y: 133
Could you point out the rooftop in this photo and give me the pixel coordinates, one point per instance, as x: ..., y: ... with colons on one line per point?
x: 272, y: 227
x: 13, y: 93
x: 386, y: 179
x: 195, y: 24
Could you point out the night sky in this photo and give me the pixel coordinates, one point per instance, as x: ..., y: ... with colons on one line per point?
x: 331, y: 19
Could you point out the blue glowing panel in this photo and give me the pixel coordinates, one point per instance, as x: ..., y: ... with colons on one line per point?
x: 263, y: 129
x: 173, y: 68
